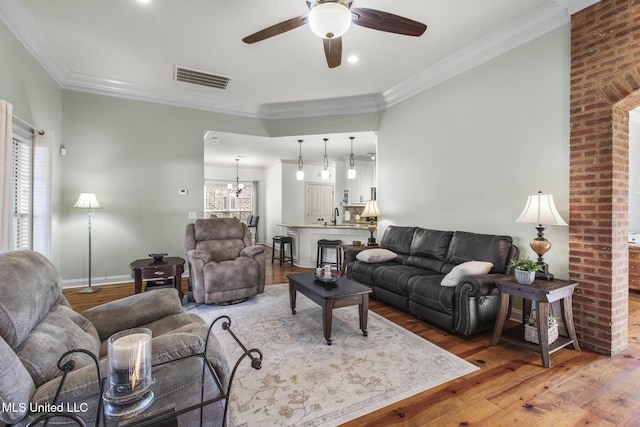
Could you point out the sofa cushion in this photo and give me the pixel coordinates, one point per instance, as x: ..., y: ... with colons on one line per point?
x: 376, y: 255
x: 467, y: 246
x: 429, y: 249
x: 398, y: 240
x: 396, y: 277
x: 427, y: 292
x: 465, y: 269
x: 362, y: 272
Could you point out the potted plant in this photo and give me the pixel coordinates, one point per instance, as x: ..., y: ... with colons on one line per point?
x: 525, y: 270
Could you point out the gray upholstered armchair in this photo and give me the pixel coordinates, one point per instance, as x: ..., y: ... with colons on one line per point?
x: 223, y: 265
x: 37, y: 326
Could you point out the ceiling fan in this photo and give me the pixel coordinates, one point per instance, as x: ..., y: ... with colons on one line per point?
x: 330, y: 19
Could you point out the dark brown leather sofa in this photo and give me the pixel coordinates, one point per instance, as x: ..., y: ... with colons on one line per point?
x: 412, y: 281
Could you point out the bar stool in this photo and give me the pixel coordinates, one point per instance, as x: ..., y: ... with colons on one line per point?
x: 282, y: 241
x: 329, y: 244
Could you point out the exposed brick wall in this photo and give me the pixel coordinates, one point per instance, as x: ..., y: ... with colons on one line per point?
x: 605, y: 85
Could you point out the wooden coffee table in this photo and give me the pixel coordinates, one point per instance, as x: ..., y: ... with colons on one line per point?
x: 343, y: 293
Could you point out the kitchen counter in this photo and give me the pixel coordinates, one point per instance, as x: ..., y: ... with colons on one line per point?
x: 306, y: 236
x: 361, y: 226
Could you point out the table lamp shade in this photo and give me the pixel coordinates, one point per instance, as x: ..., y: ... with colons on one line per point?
x: 371, y: 210
x: 540, y: 209
x: 87, y: 201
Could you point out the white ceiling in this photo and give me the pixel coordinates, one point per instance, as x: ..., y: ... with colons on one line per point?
x: 126, y: 48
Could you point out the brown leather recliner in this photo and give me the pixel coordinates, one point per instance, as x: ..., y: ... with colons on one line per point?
x: 223, y: 265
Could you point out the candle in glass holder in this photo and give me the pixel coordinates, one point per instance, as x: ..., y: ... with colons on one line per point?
x: 129, y: 356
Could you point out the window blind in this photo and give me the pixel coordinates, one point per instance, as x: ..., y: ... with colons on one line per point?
x: 22, y: 175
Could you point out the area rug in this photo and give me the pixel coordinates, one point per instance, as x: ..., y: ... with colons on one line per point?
x: 304, y: 381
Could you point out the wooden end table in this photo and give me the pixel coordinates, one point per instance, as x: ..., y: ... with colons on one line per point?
x: 343, y: 293
x: 149, y: 269
x: 542, y: 292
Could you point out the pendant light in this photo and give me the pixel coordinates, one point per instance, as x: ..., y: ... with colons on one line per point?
x: 238, y: 189
x: 300, y: 173
x: 325, y: 162
x: 351, y: 174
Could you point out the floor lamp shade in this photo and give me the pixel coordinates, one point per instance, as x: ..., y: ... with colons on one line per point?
x: 88, y: 201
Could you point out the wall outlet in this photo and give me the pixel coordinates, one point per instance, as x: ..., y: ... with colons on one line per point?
x: 193, y: 215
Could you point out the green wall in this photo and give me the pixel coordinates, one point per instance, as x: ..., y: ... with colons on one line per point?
x: 466, y: 154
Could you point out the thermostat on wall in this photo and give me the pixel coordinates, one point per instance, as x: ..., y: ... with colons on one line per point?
x: 183, y: 192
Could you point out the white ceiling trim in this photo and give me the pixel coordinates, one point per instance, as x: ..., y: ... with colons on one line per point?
x: 550, y: 16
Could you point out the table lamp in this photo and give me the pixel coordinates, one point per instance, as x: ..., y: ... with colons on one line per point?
x: 540, y: 209
x: 372, y: 212
x: 90, y: 202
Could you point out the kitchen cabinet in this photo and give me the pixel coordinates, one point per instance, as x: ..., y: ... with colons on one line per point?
x: 360, y: 187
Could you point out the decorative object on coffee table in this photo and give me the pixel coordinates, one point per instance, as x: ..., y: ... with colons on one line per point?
x: 540, y: 209
x: 525, y: 270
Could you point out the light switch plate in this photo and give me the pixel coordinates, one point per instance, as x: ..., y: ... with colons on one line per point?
x: 183, y: 192
x: 193, y: 215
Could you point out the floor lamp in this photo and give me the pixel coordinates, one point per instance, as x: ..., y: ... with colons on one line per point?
x: 90, y: 202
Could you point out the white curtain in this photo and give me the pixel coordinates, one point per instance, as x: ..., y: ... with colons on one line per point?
x: 42, y: 191
x: 6, y: 138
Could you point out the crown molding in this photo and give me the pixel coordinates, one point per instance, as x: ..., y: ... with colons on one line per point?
x: 551, y: 15
x: 101, y: 86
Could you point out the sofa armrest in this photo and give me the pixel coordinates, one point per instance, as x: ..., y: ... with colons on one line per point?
x: 475, y: 285
x: 198, y: 254
x: 252, y: 251
x: 477, y: 302
x: 133, y: 311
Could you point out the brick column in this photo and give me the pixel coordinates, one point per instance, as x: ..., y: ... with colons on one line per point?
x: 605, y: 85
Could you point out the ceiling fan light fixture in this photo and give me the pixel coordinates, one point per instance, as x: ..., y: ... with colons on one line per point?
x: 330, y: 20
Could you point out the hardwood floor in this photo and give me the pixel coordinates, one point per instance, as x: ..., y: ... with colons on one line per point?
x: 511, y: 387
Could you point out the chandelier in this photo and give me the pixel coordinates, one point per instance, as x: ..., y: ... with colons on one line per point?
x: 238, y: 188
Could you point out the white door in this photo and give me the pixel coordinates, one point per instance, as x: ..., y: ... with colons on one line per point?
x: 319, y: 203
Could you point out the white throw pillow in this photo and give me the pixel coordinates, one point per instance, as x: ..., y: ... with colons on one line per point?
x: 464, y: 269
x: 376, y: 255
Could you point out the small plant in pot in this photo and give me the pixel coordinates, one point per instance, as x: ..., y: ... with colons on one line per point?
x: 525, y: 270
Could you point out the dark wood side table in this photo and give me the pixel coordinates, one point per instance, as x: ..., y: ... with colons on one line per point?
x: 149, y: 269
x: 542, y: 292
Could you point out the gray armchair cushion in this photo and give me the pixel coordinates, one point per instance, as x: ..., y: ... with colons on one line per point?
x: 31, y: 286
x: 133, y: 312
x: 16, y: 384
x: 60, y: 331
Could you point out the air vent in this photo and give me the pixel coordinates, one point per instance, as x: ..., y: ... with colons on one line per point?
x: 201, y: 78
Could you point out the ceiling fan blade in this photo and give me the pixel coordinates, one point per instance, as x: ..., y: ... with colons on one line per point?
x: 333, y: 51
x: 388, y: 22
x: 274, y: 30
